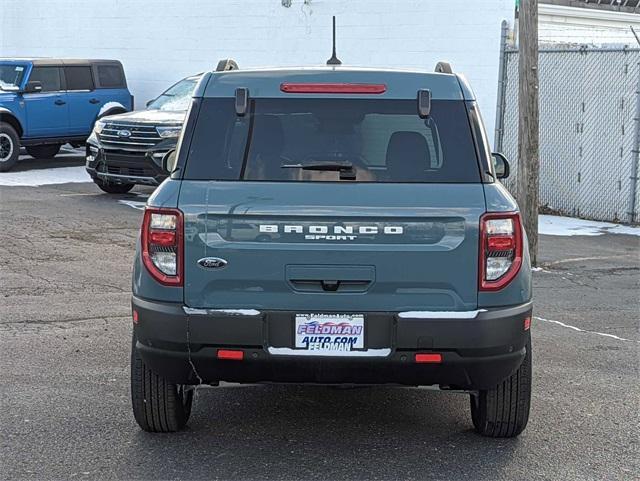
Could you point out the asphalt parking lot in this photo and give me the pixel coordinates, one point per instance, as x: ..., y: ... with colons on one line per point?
x: 65, y: 259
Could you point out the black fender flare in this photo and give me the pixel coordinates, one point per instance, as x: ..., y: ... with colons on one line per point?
x: 13, y: 120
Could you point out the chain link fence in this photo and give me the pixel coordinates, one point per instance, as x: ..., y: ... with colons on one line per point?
x: 589, y: 130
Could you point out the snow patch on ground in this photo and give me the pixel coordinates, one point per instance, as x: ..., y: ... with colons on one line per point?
x: 568, y: 226
x: 538, y: 269
x: 36, y: 178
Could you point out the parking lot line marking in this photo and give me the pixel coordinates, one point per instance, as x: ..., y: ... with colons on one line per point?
x: 604, y: 334
x: 80, y: 193
x: 134, y: 203
x: 579, y: 259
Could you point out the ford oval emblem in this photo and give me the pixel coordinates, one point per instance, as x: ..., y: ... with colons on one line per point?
x: 212, y: 263
x: 124, y: 133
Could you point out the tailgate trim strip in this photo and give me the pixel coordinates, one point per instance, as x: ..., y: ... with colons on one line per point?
x: 232, y: 312
x: 440, y: 314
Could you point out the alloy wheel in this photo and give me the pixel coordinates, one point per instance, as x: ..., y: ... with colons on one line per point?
x: 6, y: 147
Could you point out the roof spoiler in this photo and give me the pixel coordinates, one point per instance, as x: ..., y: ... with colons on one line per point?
x: 444, y: 67
x: 226, y: 64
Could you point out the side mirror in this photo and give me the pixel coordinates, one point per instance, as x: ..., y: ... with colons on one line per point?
x: 34, y: 86
x: 169, y: 161
x: 500, y: 165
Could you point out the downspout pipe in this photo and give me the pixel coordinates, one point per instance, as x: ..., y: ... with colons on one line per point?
x: 502, y: 89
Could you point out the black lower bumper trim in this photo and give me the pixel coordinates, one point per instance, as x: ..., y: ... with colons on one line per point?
x: 455, y: 371
x: 124, y: 167
x: 477, y: 353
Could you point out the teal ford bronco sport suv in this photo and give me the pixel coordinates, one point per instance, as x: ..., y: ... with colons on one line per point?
x: 47, y: 102
x: 333, y: 225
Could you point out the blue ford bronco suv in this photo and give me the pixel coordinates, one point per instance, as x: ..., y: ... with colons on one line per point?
x: 45, y: 103
x: 339, y: 226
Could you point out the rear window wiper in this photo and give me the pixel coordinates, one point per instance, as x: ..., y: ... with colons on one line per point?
x: 344, y: 167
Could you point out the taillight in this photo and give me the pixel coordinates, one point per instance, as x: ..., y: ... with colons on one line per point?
x: 162, y: 245
x: 500, y: 250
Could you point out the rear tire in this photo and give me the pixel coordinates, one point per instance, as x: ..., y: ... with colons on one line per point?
x: 111, y: 188
x: 158, y: 405
x: 9, y: 147
x: 503, y: 412
x: 47, y: 151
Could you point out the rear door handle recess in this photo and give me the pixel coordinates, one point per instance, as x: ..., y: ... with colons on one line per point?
x: 330, y: 278
x: 331, y: 286
x: 59, y: 102
x: 94, y: 101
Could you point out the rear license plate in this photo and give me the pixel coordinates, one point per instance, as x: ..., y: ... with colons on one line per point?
x: 329, y: 333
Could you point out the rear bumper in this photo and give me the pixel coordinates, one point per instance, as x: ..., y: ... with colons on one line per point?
x: 477, y: 353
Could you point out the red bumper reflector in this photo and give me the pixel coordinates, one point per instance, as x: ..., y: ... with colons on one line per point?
x: 135, y: 316
x: 431, y: 358
x: 332, y: 88
x: 527, y: 323
x: 229, y: 354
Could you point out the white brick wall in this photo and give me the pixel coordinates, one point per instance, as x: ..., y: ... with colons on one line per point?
x: 161, y: 41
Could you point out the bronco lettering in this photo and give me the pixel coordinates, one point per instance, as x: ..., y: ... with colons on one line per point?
x: 338, y: 230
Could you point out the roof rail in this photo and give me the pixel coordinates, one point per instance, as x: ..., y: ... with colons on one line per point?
x: 226, y: 64
x: 444, y: 67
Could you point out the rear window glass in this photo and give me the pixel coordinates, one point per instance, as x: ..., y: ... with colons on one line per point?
x: 110, y: 76
x: 78, y: 78
x: 305, y: 139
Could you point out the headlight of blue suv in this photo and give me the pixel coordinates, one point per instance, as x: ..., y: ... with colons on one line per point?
x: 98, y: 126
x: 169, y: 132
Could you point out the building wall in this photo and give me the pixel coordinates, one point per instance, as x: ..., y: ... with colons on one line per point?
x: 162, y: 41
x: 560, y: 24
